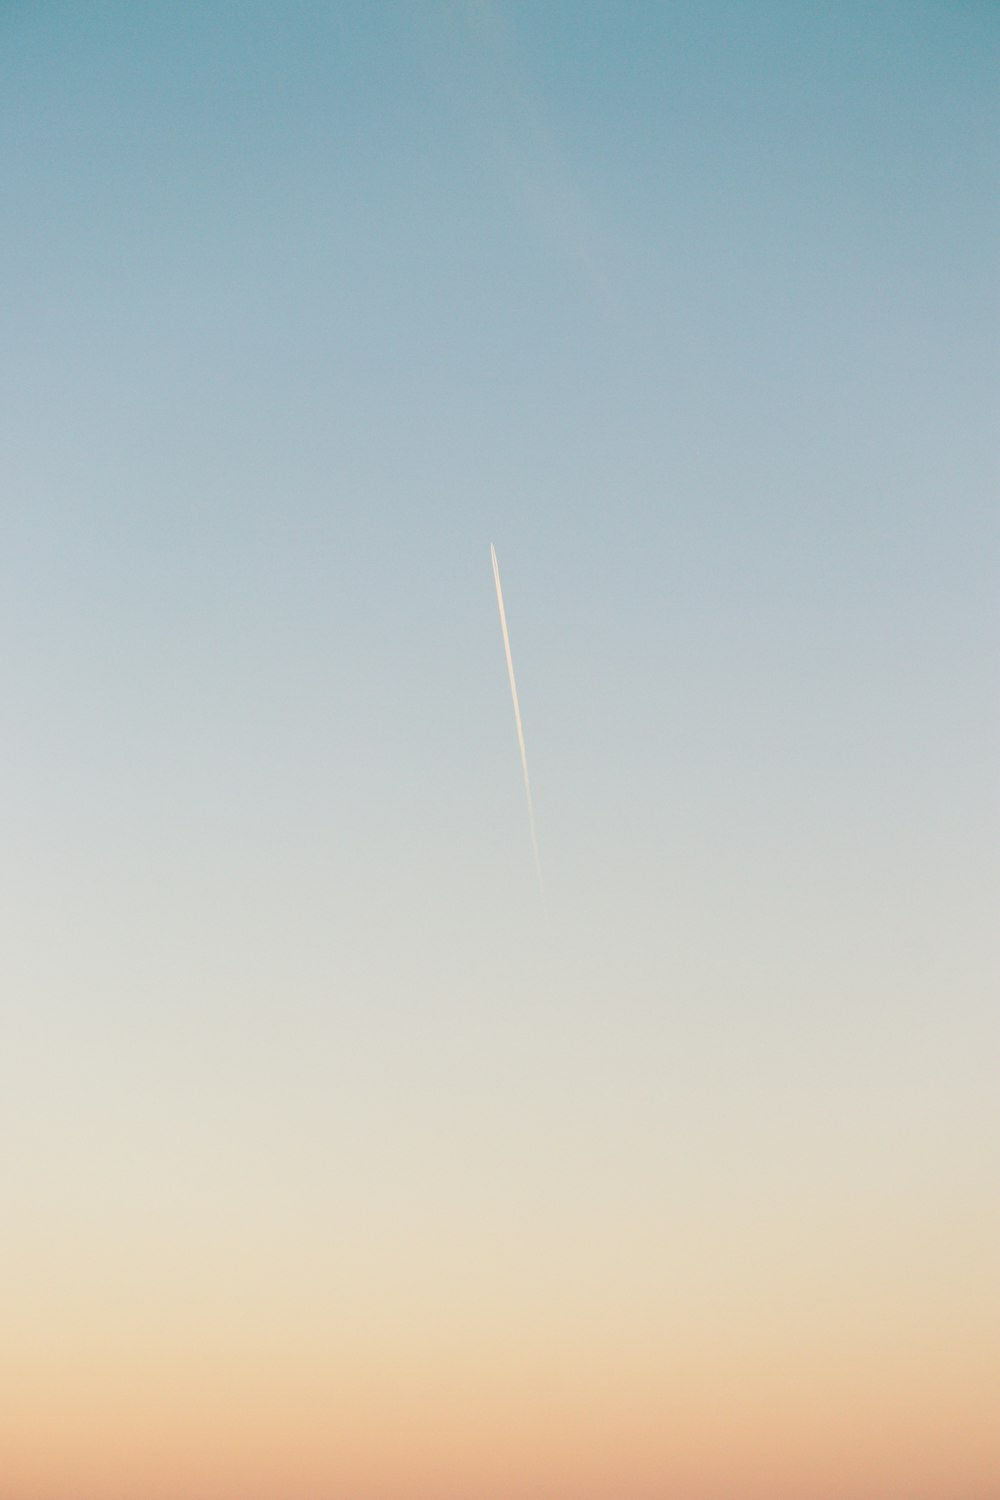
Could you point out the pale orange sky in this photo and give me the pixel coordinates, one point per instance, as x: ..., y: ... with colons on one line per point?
x: 773, y: 1359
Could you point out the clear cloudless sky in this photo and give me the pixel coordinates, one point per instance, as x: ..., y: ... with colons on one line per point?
x: 336, y: 1163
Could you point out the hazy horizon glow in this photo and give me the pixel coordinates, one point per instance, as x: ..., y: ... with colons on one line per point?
x: 331, y: 1170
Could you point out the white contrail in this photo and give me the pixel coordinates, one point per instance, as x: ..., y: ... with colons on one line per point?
x: 517, y: 712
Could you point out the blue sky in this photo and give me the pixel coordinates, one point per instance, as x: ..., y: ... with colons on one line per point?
x: 691, y: 309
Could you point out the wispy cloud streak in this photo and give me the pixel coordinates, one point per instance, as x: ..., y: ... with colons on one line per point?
x: 517, y: 712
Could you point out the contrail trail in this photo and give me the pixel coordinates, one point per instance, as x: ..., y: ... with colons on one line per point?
x: 517, y: 712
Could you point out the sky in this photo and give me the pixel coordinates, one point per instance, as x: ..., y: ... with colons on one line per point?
x: 339, y: 1162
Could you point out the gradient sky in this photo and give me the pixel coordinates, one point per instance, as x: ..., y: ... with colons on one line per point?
x: 334, y: 1166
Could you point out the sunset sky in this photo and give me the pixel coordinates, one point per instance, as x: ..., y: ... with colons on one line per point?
x: 337, y: 1162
